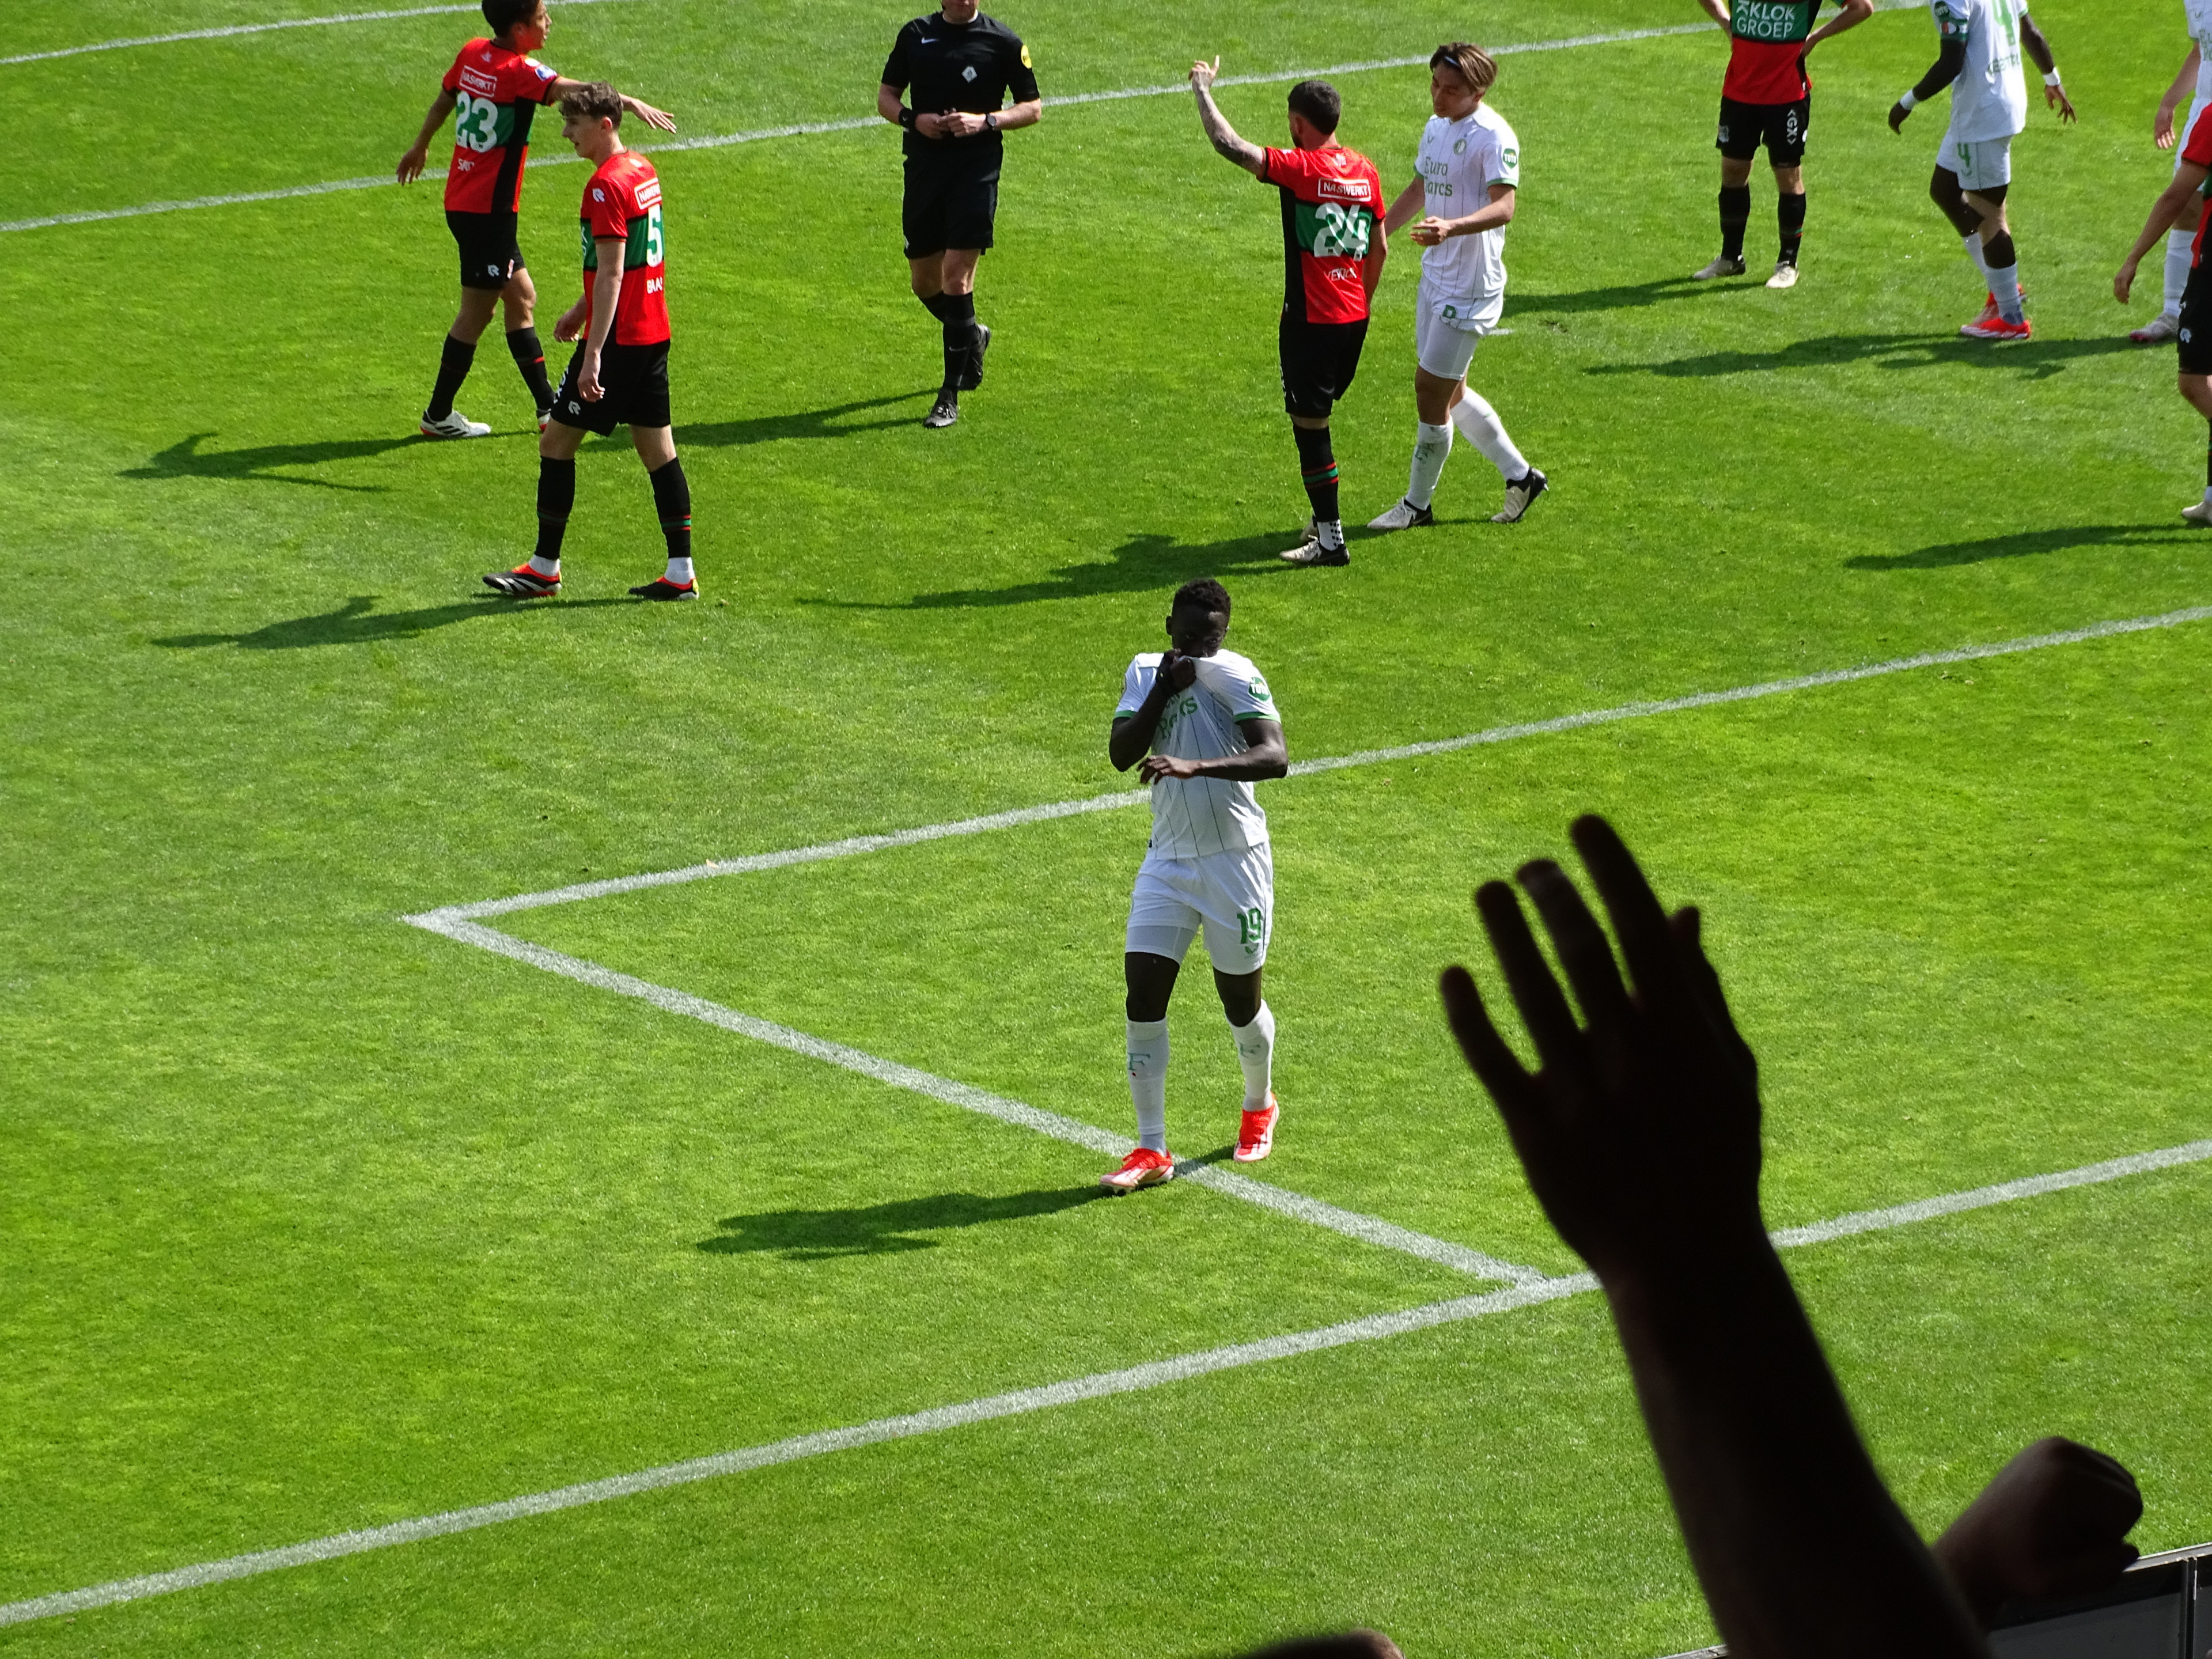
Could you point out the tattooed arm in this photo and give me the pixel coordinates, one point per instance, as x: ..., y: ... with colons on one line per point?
x: 1242, y: 152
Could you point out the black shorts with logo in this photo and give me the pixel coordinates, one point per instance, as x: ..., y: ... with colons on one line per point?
x: 949, y: 205
x: 2194, y: 343
x: 490, y: 254
x: 1319, y: 359
x: 1780, y: 127
x: 633, y: 389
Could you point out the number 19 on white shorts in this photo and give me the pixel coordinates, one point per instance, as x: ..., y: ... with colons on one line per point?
x: 1231, y: 894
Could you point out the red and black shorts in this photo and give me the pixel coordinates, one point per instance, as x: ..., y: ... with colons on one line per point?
x: 490, y: 254
x: 633, y: 389
x: 1780, y: 127
x: 2193, y: 344
x: 1319, y: 359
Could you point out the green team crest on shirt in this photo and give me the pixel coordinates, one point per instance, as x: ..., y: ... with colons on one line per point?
x: 1780, y: 20
x: 1258, y: 687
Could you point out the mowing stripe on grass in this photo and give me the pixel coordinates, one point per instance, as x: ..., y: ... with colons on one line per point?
x: 928, y: 832
x: 796, y: 130
x: 230, y: 29
x: 1102, y: 1385
x: 1367, y: 1228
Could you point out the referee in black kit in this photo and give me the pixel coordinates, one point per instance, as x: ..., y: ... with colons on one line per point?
x: 961, y: 65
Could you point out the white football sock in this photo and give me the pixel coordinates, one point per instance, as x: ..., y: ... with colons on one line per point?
x: 1331, y: 532
x: 679, y: 571
x: 2180, y: 248
x: 1431, y: 444
x: 2004, y: 282
x: 1973, y: 246
x: 1148, y: 1081
x: 545, y: 567
x: 2207, y: 495
x: 1255, y: 1053
x: 1477, y: 421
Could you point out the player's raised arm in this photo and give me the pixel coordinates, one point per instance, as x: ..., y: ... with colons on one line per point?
x: 2038, y: 48
x: 1133, y: 734
x: 418, y: 153
x: 1226, y: 143
x: 645, y: 112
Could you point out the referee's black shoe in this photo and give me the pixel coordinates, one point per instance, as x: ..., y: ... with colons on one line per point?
x: 945, y: 411
x: 972, y: 376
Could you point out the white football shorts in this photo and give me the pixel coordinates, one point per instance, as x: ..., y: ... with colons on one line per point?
x: 1231, y: 894
x: 1445, y: 345
x: 1980, y: 166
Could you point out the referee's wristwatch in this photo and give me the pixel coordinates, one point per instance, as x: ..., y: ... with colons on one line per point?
x: 991, y: 121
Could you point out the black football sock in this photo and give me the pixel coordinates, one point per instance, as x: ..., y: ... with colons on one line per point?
x: 529, y: 358
x: 959, y: 315
x: 1790, y: 214
x: 1736, y: 214
x: 452, y: 368
x: 557, y: 499
x: 671, y: 501
x: 1317, y: 469
x: 936, y: 303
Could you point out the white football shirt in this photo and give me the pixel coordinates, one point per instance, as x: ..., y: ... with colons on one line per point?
x: 1990, y: 98
x: 1195, y: 816
x: 1464, y: 279
x: 2200, y: 31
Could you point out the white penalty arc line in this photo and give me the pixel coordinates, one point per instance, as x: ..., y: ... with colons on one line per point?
x: 227, y: 30
x: 856, y: 845
x: 795, y: 129
x: 1367, y: 1228
x: 1102, y: 1385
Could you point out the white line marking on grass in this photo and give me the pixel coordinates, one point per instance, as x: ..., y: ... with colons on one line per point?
x: 758, y: 135
x: 856, y: 845
x: 1367, y: 1228
x: 1926, y: 1209
x: 229, y: 30
x: 1134, y: 1379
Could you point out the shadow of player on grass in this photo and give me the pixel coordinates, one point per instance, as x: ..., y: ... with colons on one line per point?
x: 187, y: 459
x: 1627, y: 296
x: 354, y: 624
x: 1143, y: 564
x: 882, y: 1229
x: 808, y: 423
x: 2026, y: 542
x: 2039, y: 359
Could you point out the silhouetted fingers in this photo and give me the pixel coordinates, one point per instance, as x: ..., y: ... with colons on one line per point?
x: 1542, y: 1004
x: 1584, y: 951
x: 1487, y: 1054
x: 1704, y: 983
x: 1646, y: 940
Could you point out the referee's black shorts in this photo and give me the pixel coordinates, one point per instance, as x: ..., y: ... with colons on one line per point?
x: 948, y: 206
x: 1319, y: 359
x: 2194, y: 343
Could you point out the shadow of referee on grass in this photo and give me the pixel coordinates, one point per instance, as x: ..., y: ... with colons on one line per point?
x: 882, y: 1229
x: 2026, y: 542
x: 355, y: 622
x: 2038, y: 359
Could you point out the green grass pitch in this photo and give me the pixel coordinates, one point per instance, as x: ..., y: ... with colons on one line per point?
x: 311, y: 1221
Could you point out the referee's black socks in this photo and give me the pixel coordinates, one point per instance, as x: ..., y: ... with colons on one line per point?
x: 957, y: 312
